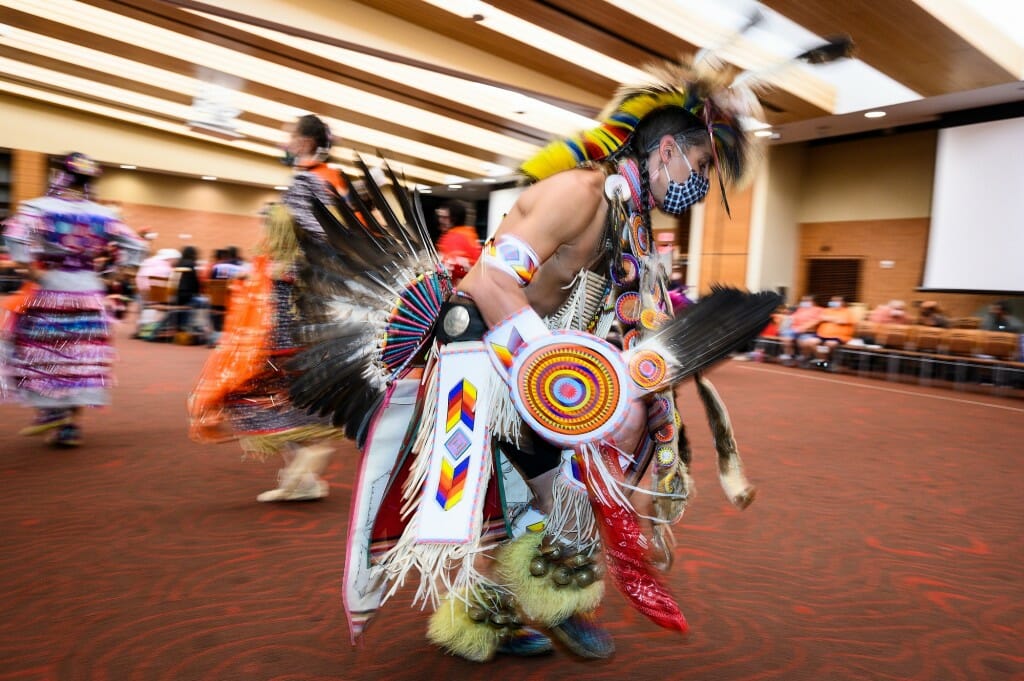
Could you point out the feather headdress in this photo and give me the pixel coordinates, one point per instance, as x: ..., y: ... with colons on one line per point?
x: 704, y: 90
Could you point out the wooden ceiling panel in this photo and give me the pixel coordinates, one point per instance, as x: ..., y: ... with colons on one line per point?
x: 196, y: 26
x: 142, y: 55
x: 471, y: 33
x: 903, y: 41
x: 625, y: 37
x: 463, y: 140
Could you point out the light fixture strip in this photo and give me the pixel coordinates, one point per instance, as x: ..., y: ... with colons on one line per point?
x: 254, y: 69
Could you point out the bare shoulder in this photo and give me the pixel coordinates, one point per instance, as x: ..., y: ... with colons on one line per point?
x: 587, y: 182
x: 565, y: 203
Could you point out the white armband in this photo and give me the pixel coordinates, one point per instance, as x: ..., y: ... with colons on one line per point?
x: 513, y: 256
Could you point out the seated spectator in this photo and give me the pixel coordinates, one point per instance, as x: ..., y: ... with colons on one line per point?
x: 120, y: 291
x: 836, y: 328
x: 894, y: 312
x: 930, y: 314
x: 803, y: 320
x: 234, y: 257
x: 223, y: 266
x: 1000, y: 319
x: 159, y: 266
x: 778, y: 319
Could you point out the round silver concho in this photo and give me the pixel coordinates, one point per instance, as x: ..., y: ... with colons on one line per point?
x: 456, y: 321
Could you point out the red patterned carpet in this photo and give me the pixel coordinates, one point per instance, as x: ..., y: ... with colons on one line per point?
x: 885, y: 543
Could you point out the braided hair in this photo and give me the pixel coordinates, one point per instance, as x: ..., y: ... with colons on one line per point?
x: 687, y: 130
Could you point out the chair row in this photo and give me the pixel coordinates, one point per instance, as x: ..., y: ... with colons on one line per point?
x: 997, y: 345
x: 901, y: 352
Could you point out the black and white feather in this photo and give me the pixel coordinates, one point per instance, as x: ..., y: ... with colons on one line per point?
x: 708, y: 331
x: 372, y: 286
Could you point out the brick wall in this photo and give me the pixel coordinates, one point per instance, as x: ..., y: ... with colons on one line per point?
x: 902, y: 241
x: 208, y: 230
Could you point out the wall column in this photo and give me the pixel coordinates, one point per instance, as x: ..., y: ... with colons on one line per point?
x: 30, y: 173
x: 726, y: 240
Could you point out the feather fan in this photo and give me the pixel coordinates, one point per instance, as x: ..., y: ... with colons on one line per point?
x: 372, y: 288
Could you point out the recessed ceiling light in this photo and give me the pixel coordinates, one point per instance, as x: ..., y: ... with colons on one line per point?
x: 426, y: 190
x: 874, y: 114
x: 490, y: 179
x: 281, y: 187
x: 763, y: 133
x: 455, y: 186
x: 127, y: 167
x: 209, y: 177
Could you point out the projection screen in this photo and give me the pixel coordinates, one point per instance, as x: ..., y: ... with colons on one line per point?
x: 976, y: 240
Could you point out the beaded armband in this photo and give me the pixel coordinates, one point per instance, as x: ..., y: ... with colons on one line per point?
x: 513, y: 256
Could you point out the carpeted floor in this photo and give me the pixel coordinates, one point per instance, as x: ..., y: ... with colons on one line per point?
x: 885, y: 543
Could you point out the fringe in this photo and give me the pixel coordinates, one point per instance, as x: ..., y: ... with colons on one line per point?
x: 73, y: 352
x: 68, y: 300
x: 442, y: 568
x: 505, y: 422
x: 261, y: 447
x: 572, y: 521
x: 422, y: 444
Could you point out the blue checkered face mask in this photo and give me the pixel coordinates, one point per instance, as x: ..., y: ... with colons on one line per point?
x: 681, y: 195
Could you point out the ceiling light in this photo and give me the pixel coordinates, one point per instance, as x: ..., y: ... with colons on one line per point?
x: 209, y: 177
x: 490, y: 179
x: 127, y: 167
x: 455, y: 186
x: 281, y: 187
x: 874, y: 114
x: 426, y: 190
x: 763, y: 133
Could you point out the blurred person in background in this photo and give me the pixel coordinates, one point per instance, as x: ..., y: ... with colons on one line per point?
x: 459, y: 244
x: 187, y: 290
x: 930, y: 314
x: 835, y: 328
x: 893, y: 312
x: 59, y: 356
x: 999, y: 318
x: 242, y: 392
x: 802, y: 323
x: 158, y: 266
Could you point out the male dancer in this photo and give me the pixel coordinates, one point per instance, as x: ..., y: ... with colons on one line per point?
x: 520, y: 385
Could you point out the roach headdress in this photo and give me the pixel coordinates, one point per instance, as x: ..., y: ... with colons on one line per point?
x: 705, y: 91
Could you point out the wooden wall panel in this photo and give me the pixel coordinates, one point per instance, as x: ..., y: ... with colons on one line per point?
x: 725, y: 243
x: 30, y: 174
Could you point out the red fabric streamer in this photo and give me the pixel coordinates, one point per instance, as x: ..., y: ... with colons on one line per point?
x: 624, y: 550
